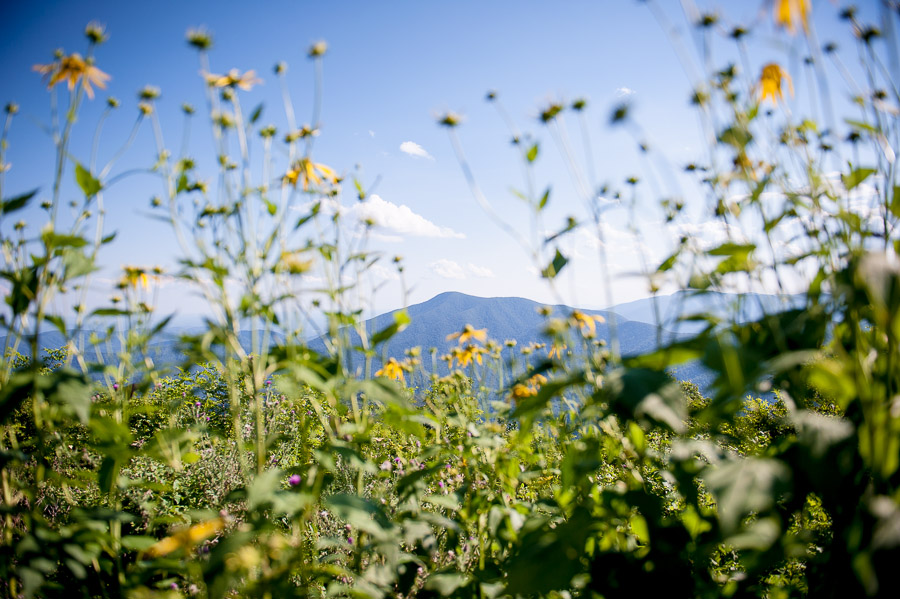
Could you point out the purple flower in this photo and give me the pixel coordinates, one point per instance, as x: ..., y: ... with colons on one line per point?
x: 349, y: 540
x: 294, y: 480
x: 116, y: 388
x: 197, y: 404
x: 441, y: 484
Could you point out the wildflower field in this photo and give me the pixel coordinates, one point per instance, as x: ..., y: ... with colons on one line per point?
x: 263, y: 467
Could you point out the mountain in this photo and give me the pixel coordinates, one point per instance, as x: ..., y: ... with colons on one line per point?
x: 503, y: 317
x: 742, y: 307
x: 519, y: 319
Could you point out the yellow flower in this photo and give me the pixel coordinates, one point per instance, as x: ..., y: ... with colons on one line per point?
x: 72, y: 69
x: 134, y: 276
x: 520, y: 391
x: 586, y: 321
x: 770, y: 83
x: 306, y: 171
x: 233, y: 78
x: 556, y: 350
x: 468, y: 354
x: 469, y: 332
x: 186, y: 537
x: 529, y: 388
x: 392, y: 370
x: 788, y: 12
x: 294, y: 263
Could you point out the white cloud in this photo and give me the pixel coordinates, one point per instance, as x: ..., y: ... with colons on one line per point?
x: 624, y: 92
x: 481, y: 271
x: 399, y: 220
x: 448, y: 269
x: 371, y: 133
x: 384, y: 273
x: 414, y: 149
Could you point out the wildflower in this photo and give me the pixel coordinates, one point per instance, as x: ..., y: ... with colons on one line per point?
x: 450, y: 119
x: 468, y: 354
x: 770, y: 83
x: 586, y: 321
x: 133, y: 276
x: 469, y: 332
x: 233, y: 78
x: 556, y: 350
x: 317, y: 49
x: 788, y: 13
x: 146, y: 108
x: 529, y: 388
x: 294, y: 480
x: 12, y: 108
x: 95, y: 33
x: 392, y: 370
x: 306, y: 171
x: 149, y: 92
x: 199, y: 38
x: 72, y: 69
x: 521, y: 391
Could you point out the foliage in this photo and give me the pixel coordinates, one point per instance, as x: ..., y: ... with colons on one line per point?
x: 263, y: 468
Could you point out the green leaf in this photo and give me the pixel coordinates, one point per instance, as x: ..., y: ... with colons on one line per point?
x: 401, y: 321
x: 108, y: 473
x: 861, y: 125
x: 138, y: 542
x: 542, y: 203
x: 86, y: 181
x: 746, y: 486
x: 361, y: 513
x: 446, y: 584
x: 257, y: 112
x: 110, y: 312
x: 856, y: 177
x: 736, y: 137
x: 532, y: 153
x: 554, y: 268
x: 53, y: 240
x: 16, y: 203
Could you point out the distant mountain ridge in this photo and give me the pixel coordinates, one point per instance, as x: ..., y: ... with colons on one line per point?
x: 519, y: 319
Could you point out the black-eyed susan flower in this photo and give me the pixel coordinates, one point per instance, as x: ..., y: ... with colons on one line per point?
x: 305, y: 171
x: 529, y: 388
x: 468, y: 354
x: 392, y: 369
x: 788, y: 13
x: 770, y: 83
x: 586, y: 322
x: 556, y: 349
x: 72, y: 69
x: 186, y: 538
x: 469, y: 332
x: 134, y: 276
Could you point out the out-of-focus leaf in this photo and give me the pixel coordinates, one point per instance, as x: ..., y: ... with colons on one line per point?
x: 746, y: 486
x: 855, y: 177
x: 86, y: 181
x: 554, y: 268
x: 16, y: 203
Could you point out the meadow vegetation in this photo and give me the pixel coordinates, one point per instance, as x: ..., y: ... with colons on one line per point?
x: 265, y: 469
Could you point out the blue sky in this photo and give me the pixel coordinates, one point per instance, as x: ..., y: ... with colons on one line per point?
x: 391, y: 67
